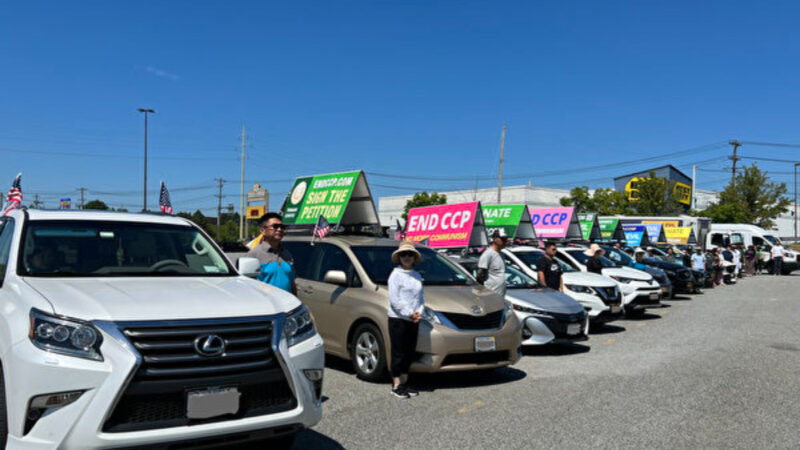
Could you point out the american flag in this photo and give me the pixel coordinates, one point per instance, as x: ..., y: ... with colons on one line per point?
x: 163, y: 200
x: 400, y: 232
x: 14, y: 197
x: 322, y: 227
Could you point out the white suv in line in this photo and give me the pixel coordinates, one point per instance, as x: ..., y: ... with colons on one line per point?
x: 639, y: 289
x: 131, y: 330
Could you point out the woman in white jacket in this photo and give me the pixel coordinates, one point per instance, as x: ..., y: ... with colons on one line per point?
x: 406, y: 301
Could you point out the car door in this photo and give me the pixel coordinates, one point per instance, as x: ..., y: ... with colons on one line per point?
x: 332, y: 304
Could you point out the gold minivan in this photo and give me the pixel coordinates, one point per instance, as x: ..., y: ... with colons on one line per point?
x: 343, y: 281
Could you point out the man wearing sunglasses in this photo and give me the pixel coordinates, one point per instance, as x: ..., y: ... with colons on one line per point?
x: 277, y: 264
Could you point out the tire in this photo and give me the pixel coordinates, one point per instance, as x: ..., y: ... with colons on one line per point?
x: 281, y: 443
x: 3, y: 412
x: 368, y: 352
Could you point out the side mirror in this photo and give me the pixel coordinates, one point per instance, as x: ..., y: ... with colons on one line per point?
x: 336, y: 277
x: 249, y: 267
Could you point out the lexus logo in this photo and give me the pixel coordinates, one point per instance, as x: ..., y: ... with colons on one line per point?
x: 209, y: 345
x: 476, y: 309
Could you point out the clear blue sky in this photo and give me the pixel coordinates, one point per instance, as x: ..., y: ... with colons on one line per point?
x: 413, y: 87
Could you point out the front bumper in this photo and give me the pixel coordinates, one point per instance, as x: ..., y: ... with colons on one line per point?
x: 80, y: 425
x: 561, y: 328
x: 442, y: 348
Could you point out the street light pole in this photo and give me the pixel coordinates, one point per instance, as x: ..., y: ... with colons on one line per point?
x: 144, y: 190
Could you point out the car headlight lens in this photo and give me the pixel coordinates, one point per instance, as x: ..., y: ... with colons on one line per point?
x: 299, y: 326
x: 508, y: 310
x: 65, y: 336
x: 430, y: 315
x: 622, y: 279
x: 579, y: 289
x: 532, y: 311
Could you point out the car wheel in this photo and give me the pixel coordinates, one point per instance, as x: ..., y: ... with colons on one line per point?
x: 3, y: 412
x: 368, y: 352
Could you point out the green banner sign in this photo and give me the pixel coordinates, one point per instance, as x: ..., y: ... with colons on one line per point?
x: 610, y: 228
x: 590, y: 229
x: 514, y: 219
x: 326, y: 195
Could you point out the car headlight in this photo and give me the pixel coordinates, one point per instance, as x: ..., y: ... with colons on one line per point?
x: 622, y: 279
x: 66, y: 336
x: 532, y: 311
x: 430, y: 315
x: 508, y: 310
x: 579, y: 289
x: 299, y: 326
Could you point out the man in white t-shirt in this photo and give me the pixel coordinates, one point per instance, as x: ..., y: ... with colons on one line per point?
x: 699, y: 260
x: 777, y: 257
x: 491, y: 267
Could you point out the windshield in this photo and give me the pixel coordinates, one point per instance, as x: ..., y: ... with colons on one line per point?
x: 108, y: 249
x: 435, y: 269
x: 618, y: 256
x: 582, y: 258
x: 516, y: 279
x: 532, y: 258
x: 771, y: 238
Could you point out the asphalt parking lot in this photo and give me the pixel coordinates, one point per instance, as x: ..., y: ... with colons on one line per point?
x: 715, y: 370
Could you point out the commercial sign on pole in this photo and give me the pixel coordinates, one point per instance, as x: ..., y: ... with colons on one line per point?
x: 448, y: 226
x: 256, y: 211
x: 559, y: 223
x: 514, y: 219
x: 342, y: 198
x: 611, y: 229
x: 636, y: 235
x: 590, y: 227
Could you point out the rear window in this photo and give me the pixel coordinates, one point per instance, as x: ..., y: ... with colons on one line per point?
x: 109, y: 248
x: 582, y: 258
x: 436, y: 270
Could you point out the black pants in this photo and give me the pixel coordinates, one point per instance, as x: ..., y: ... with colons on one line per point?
x: 778, y: 265
x: 403, y: 336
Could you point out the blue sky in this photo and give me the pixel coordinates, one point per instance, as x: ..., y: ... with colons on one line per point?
x: 396, y: 88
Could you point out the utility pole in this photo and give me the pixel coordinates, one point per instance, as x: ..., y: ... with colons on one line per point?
x: 36, y: 203
x: 83, y: 190
x: 500, y: 172
x: 241, y: 210
x: 795, y: 201
x: 219, y: 208
x: 694, y: 186
x: 146, y: 111
x: 736, y: 144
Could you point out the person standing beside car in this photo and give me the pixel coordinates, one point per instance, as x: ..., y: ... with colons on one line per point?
x: 670, y: 256
x: 406, y: 302
x: 638, y: 259
x: 277, y: 264
x: 750, y: 260
x: 549, y: 270
x: 777, y: 257
x: 593, y: 264
x: 491, y: 267
x: 699, y: 261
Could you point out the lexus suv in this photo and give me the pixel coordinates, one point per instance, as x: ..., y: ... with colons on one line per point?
x: 343, y: 280
x: 134, y: 330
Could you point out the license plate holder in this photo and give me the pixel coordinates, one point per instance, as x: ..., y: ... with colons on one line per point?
x: 485, y: 344
x: 573, y: 329
x: 654, y: 296
x: 615, y: 309
x: 212, y: 402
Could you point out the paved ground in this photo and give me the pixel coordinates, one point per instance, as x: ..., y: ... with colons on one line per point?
x: 719, y: 370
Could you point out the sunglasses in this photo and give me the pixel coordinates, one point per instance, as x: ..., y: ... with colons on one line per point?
x: 406, y: 254
x: 275, y: 226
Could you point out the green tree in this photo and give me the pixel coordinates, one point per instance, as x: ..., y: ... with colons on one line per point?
x: 657, y: 197
x: 96, y: 204
x: 603, y: 201
x: 198, y: 218
x: 579, y: 198
x: 750, y: 198
x: 423, y: 199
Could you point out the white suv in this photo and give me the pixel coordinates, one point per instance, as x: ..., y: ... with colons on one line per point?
x: 129, y: 330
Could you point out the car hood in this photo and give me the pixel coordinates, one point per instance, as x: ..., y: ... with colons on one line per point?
x: 627, y: 272
x: 587, y: 279
x: 461, y: 299
x: 545, y: 299
x: 123, y: 299
x: 666, y: 265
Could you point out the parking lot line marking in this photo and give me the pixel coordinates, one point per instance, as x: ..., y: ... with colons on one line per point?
x: 640, y: 325
x: 472, y: 407
x: 610, y: 341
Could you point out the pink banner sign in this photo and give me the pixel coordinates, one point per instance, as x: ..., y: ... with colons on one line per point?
x: 443, y: 225
x: 551, y: 222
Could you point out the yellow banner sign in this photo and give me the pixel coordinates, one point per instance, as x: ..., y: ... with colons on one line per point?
x: 664, y: 223
x: 677, y: 235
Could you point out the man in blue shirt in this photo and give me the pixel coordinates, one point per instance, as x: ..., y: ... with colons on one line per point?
x: 638, y: 259
x: 277, y: 264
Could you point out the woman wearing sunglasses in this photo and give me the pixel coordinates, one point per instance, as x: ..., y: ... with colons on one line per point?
x: 406, y: 301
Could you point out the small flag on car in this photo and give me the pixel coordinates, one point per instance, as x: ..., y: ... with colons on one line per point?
x: 14, y: 197
x: 400, y: 232
x: 163, y: 200
x: 255, y: 242
x: 322, y: 227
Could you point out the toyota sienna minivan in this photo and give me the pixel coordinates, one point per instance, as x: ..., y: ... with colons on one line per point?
x: 343, y: 279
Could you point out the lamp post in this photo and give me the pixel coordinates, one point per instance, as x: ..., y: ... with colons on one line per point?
x: 144, y: 190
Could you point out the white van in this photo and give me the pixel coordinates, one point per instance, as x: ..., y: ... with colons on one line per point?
x: 744, y: 235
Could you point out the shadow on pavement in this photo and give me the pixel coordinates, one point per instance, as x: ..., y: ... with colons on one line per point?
x: 678, y: 298
x: 556, y: 350
x: 605, y: 329
x: 645, y: 316
x: 311, y: 439
x: 430, y: 382
x: 340, y: 364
